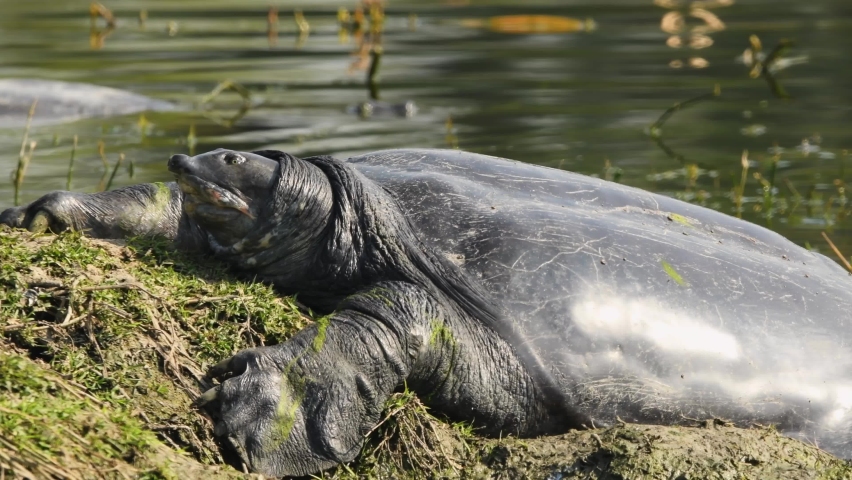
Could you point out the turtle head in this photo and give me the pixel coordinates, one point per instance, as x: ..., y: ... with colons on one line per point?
x: 225, y: 190
x: 257, y: 208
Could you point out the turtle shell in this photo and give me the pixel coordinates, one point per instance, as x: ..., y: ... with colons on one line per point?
x: 644, y: 308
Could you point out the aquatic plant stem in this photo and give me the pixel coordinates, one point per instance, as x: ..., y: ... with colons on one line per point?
x: 23, y: 156
x: 375, y: 64
x: 115, y: 170
x: 655, y: 130
x: 738, y: 194
x: 837, y: 252
x: 71, y: 164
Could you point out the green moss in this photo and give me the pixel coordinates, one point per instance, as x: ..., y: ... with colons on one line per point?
x: 163, y: 196
x: 381, y: 294
x: 292, y: 394
x: 285, y: 415
x: 319, y: 339
x: 441, y: 338
x: 671, y: 272
x: 52, y: 429
x: 679, y: 219
x: 131, y: 327
x: 441, y: 333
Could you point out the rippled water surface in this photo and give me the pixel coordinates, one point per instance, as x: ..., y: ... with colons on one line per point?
x: 559, y: 93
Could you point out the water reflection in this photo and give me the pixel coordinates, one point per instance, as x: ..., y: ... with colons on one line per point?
x: 516, y: 84
x: 303, y: 27
x: 272, y: 26
x: 767, y: 65
x: 697, y: 37
x: 98, y: 35
x: 532, y: 24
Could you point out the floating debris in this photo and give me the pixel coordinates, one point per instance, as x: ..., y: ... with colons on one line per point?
x: 532, y: 24
x: 806, y: 147
x: 698, y: 62
x: 374, y: 108
x: 754, y: 130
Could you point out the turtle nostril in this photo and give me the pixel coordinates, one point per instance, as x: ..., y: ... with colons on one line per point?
x: 178, y: 162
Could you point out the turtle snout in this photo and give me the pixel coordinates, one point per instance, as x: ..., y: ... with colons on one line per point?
x: 179, y: 163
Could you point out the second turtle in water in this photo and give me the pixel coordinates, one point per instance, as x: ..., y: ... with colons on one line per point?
x: 524, y: 299
x: 56, y: 101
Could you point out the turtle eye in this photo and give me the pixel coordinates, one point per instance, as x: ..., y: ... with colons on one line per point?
x: 234, y: 159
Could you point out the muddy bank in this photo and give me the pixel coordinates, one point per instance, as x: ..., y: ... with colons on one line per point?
x: 105, y: 346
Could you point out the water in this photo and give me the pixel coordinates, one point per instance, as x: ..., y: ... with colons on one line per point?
x: 582, y: 101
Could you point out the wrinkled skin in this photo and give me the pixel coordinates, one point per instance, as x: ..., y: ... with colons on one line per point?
x: 524, y: 299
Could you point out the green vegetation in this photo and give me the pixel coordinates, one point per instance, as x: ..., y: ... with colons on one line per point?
x: 410, y: 443
x: 441, y: 333
x: 674, y: 217
x: 105, y: 346
x: 130, y: 332
x: 319, y: 339
x: 670, y: 271
x: 53, y: 428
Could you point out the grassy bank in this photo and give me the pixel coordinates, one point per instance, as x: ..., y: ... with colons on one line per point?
x: 104, y: 348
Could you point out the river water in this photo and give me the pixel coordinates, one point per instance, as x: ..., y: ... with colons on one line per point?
x: 498, y: 77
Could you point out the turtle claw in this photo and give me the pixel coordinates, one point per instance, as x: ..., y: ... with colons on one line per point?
x: 232, y: 366
x: 12, y: 217
x: 53, y: 212
x: 219, y: 369
x: 207, y: 397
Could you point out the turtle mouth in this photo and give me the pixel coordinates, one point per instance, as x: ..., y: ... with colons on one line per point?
x: 213, y: 195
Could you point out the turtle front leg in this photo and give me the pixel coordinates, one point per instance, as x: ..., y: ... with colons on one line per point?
x: 153, y: 209
x: 307, y: 404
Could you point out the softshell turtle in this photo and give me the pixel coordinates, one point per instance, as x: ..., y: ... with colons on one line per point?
x: 525, y: 299
x: 60, y: 101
